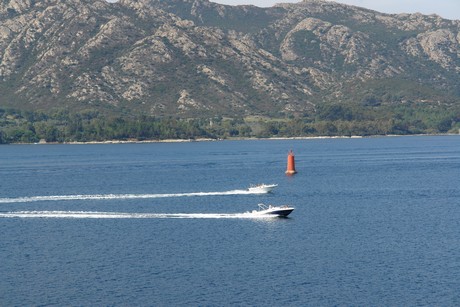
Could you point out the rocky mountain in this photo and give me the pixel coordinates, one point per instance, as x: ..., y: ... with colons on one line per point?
x: 195, y: 58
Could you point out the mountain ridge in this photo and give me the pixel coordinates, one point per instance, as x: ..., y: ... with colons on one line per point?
x: 196, y: 58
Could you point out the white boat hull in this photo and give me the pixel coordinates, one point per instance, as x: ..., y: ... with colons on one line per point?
x: 262, y: 188
x: 281, y: 211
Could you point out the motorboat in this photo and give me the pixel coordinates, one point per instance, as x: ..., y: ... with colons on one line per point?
x: 262, y: 188
x: 281, y: 211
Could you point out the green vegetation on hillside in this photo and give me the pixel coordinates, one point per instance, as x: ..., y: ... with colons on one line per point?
x: 18, y: 126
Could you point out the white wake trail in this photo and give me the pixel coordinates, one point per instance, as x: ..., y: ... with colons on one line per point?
x: 29, y: 199
x: 127, y: 215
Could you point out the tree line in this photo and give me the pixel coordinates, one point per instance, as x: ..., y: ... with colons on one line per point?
x: 19, y: 126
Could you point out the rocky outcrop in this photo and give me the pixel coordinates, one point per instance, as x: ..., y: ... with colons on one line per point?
x: 441, y: 46
x: 198, y: 58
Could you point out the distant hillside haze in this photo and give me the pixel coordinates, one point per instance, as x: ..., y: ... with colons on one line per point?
x: 196, y: 58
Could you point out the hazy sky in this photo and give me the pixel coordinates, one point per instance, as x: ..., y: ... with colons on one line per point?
x: 446, y: 8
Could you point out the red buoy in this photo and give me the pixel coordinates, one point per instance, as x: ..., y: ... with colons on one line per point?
x: 290, y: 164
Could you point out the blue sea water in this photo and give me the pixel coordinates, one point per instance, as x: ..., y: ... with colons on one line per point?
x: 377, y: 223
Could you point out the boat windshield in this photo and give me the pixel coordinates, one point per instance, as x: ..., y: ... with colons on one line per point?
x: 263, y: 206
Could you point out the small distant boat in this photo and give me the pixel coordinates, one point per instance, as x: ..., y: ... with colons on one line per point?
x: 281, y: 211
x: 262, y: 188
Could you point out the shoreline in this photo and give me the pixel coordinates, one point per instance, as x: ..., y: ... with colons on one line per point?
x: 133, y: 141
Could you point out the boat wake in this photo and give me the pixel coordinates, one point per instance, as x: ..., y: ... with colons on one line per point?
x: 126, y: 215
x: 118, y: 196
